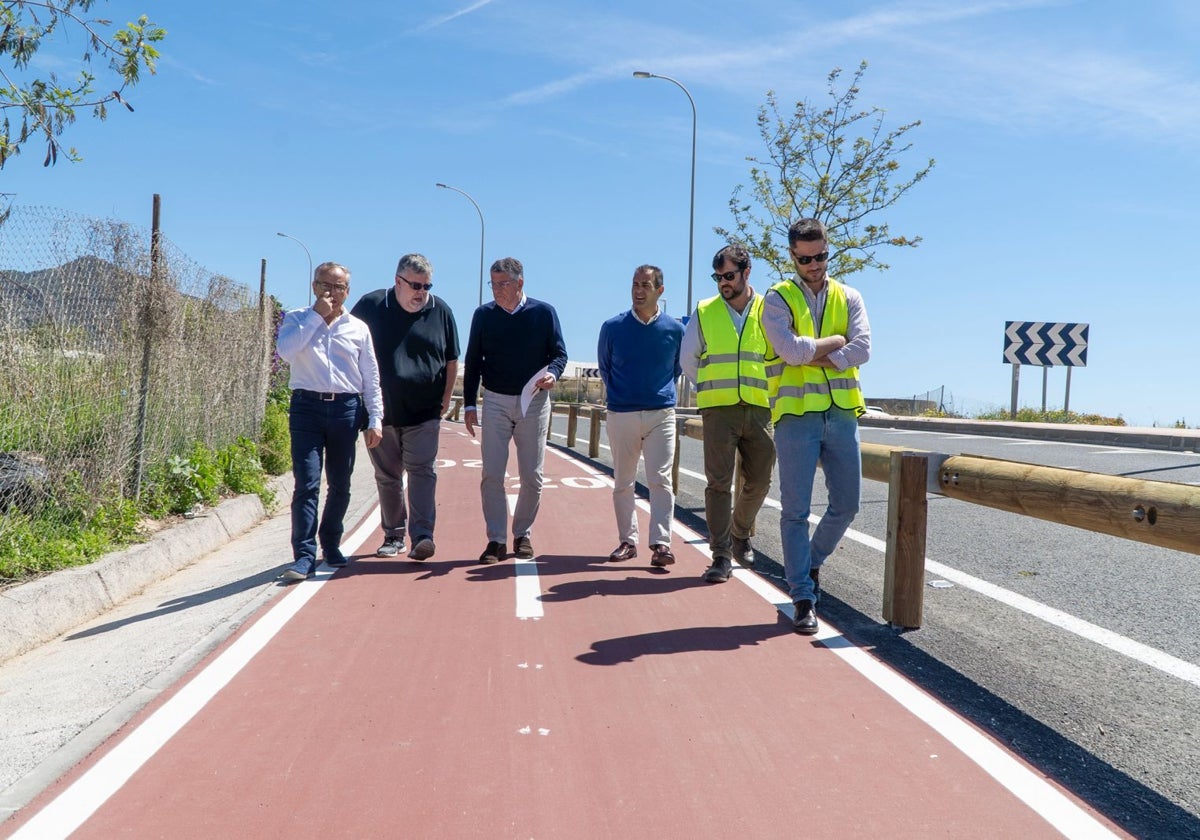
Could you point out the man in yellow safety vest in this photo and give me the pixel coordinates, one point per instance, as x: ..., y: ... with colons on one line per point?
x: 723, y: 353
x: 819, y: 337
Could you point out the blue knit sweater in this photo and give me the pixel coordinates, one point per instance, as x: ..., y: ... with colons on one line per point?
x: 639, y: 363
x: 505, y: 349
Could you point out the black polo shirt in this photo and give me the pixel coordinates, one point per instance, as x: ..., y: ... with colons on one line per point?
x: 412, y: 349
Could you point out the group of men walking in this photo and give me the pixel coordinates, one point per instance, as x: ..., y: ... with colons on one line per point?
x: 776, y: 377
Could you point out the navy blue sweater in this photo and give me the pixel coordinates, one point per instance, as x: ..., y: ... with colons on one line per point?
x: 639, y: 363
x: 504, y: 350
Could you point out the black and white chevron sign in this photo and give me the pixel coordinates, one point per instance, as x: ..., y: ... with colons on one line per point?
x: 1045, y: 344
x: 589, y: 373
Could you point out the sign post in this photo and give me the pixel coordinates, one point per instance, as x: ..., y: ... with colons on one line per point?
x: 1044, y: 344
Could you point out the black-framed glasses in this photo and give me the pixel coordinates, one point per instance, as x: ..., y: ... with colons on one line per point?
x: 728, y: 276
x: 331, y: 287
x: 804, y: 259
x: 416, y: 287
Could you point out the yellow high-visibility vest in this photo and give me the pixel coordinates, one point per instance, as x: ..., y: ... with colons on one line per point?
x: 799, y: 389
x: 731, y: 368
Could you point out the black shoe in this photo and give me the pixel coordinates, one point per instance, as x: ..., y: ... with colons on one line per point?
x: 743, y: 552
x: 494, y: 553
x: 805, y: 620
x: 335, y: 559
x: 523, y: 548
x: 719, y: 571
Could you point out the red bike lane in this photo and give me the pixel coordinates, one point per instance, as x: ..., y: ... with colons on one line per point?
x: 563, y: 697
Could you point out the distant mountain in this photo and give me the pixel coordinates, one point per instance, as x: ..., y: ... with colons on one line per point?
x: 80, y: 302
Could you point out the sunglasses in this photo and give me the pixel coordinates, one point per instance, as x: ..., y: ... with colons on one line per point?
x: 805, y: 260
x: 728, y: 276
x: 416, y: 287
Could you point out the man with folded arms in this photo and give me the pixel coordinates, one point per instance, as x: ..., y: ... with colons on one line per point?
x: 820, y: 336
x: 416, y: 343
x: 335, y: 393
x: 513, y: 339
x: 638, y: 356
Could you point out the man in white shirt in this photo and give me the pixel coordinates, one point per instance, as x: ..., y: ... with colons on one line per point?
x: 335, y: 393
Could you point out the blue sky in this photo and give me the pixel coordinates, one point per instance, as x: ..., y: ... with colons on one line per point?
x: 1066, y: 137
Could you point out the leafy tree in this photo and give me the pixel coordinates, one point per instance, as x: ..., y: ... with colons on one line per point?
x: 812, y: 169
x: 43, y: 108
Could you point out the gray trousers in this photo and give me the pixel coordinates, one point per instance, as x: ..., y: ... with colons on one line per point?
x: 412, y: 450
x: 500, y: 422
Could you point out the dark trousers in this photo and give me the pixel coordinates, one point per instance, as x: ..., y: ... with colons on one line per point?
x: 323, y: 433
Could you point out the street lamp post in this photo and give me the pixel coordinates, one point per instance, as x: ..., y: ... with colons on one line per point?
x: 310, y: 265
x: 482, y: 233
x: 642, y: 74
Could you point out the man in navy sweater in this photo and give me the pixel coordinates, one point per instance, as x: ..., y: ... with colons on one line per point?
x: 515, y: 343
x: 639, y: 362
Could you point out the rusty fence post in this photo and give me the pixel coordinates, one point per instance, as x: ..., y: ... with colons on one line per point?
x: 904, y: 563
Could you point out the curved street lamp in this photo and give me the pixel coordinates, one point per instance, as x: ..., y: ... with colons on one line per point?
x: 482, y: 233
x: 310, y: 265
x: 642, y: 74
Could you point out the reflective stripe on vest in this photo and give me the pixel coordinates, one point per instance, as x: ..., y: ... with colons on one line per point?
x: 799, y: 389
x: 731, y: 365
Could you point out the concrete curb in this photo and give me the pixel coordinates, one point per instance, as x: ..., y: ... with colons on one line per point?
x: 33, y: 613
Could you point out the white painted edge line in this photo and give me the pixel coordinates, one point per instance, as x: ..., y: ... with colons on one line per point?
x: 1038, y: 794
x: 529, y: 585
x: 1146, y: 655
x: 71, y: 808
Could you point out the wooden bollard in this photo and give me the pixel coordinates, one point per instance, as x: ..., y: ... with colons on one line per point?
x: 594, y: 434
x: 572, y: 424
x: 550, y: 423
x: 904, y: 560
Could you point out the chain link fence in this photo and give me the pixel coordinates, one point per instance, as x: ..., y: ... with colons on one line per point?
x: 117, y: 352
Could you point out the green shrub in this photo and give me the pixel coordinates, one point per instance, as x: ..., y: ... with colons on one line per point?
x: 242, y: 470
x: 275, y: 452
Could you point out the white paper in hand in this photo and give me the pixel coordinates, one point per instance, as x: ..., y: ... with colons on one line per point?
x: 530, y: 390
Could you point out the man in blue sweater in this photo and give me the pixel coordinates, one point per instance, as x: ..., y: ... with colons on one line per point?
x: 515, y: 343
x: 639, y: 363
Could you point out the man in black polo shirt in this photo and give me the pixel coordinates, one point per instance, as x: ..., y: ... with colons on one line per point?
x: 416, y: 343
x: 515, y: 343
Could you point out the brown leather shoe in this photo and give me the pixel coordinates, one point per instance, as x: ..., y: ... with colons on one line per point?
x: 625, y: 551
x: 662, y: 555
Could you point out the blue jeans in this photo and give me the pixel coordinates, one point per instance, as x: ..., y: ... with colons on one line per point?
x: 830, y: 437
x: 322, y: 433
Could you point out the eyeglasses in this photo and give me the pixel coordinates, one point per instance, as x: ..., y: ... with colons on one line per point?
x: 331, y: 287
x: 805, y: 259
x: 728, y: 276
x: 501, y: 284
x: 416, y: 287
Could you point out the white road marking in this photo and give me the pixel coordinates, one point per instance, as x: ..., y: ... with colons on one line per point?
x: 1030, y: 787
x: 1146, y: 655
x: 529, y: 584
x: 71, y: 808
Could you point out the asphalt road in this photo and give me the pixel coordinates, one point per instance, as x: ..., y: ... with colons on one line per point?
x: 1076, y: 649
